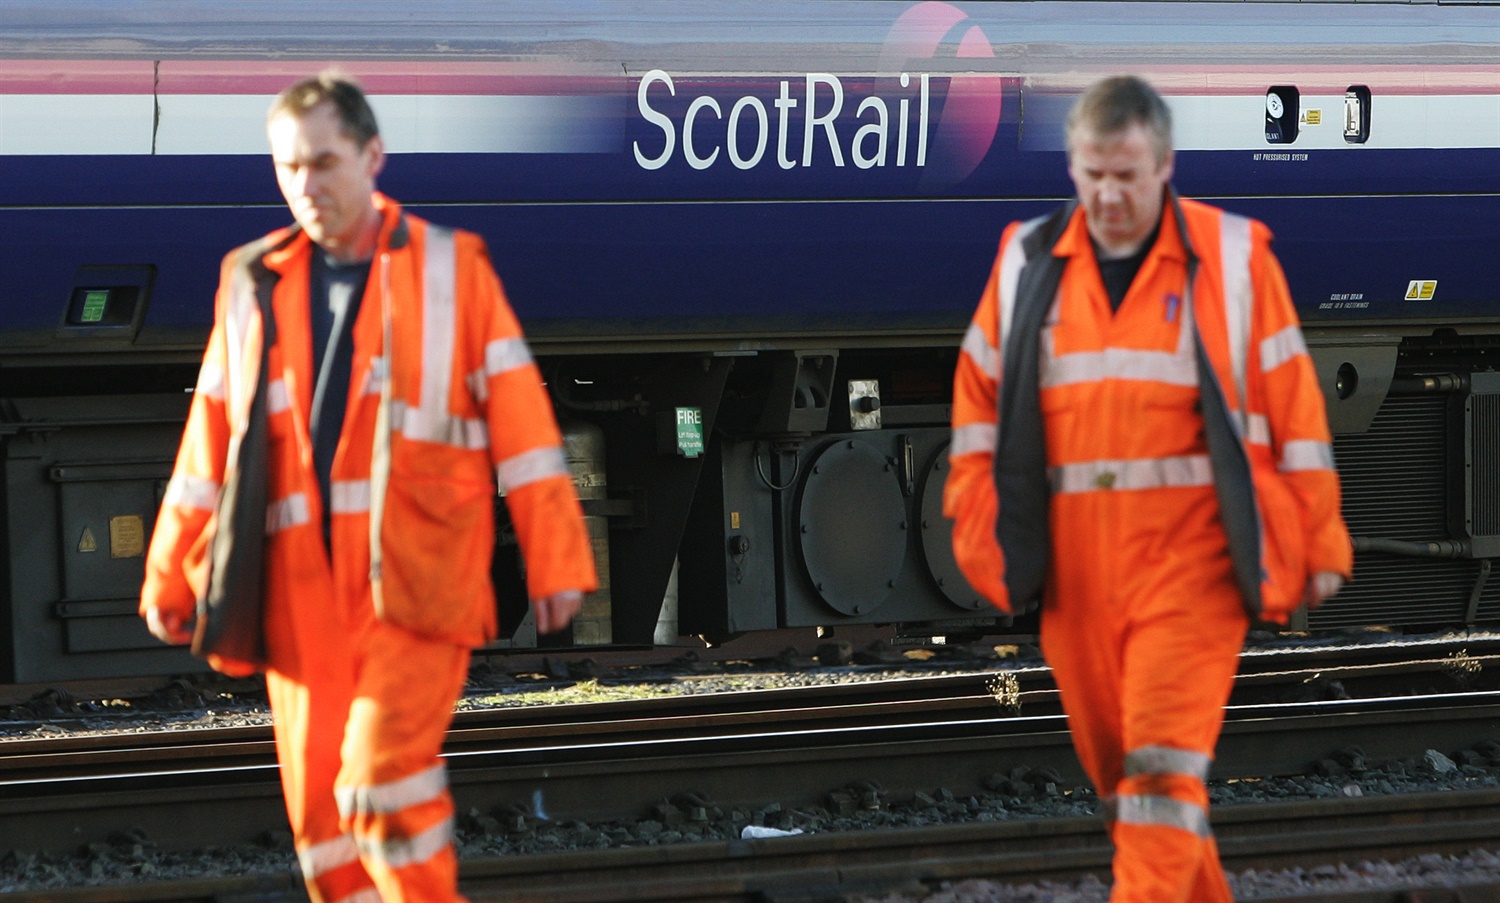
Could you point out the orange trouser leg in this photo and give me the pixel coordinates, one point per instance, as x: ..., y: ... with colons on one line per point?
x: 309, y: 727
x: 1149, y: 672
x: 1163, y: 850
x: 310, y: 645
x: 393, y: 789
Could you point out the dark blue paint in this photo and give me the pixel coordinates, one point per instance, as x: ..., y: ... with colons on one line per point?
x: 758, y: 267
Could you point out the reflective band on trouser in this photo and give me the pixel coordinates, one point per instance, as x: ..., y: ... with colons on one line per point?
x: 322, y: 858
x: 1162, y: 812
x: 184, y: 491
x: 400, y: 852
x: 528, y: 467
x: 979, y: 350
x: 1167, y: 760
x: 286, y: 513
x: 976, y: 437
x: 1306, y: 454
x: 393, y: 796
x: 349, y: 497
x: 1141, y: 473
x: 1109, y: 808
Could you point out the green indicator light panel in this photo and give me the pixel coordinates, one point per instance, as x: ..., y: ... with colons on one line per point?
x: 94, y: 302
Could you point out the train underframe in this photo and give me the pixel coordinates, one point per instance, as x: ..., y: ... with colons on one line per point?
x: 729, y: 491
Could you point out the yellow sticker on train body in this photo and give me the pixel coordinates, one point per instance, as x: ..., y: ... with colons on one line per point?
x: 1421, y: 289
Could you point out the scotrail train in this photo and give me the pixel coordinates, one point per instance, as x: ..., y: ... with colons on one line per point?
x: 745, y: 238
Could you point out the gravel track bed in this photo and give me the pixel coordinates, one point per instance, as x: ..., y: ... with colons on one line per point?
x: 204, y: 702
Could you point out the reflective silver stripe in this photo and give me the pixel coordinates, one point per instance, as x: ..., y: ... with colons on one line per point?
x: 393, y: 796
x: 374, y: 377
x: 528, y: 467
x: 984, y: 355
x: 430, y: 421
x: 1234, y: 256
x: 184, y: 491
x: 363, y: 895
x: 211, y: 382
x: 976, y: 437
x: 503, y: 355
x: 286, y: 513
x: 322, y: 858
x: 427, y: 426
x: 479, y: 386
x: 277, y: 400
x: 1171, y: 368
x: 1257, y: 428
x: 1109, y: 808
x: 400, y: 852
x: 349, y: 497
x: 380, y: 444
x: 1011, y: 263
x: 1162, y: 812
x: 1140, y: 473
x: 1305, y: 454
x: 1167, y: 760
x: 1283, y: 346
x: 243, y: 306
x: 1176, y: 368
x: 1008, y: 278
x: 242, y: 362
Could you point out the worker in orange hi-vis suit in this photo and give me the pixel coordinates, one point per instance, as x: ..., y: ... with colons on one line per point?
x: 1141, y: 448
x: 398, y: 391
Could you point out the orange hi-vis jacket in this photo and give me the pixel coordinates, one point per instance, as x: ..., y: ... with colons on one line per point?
x: 454, y: 407
x: 1219, y: 392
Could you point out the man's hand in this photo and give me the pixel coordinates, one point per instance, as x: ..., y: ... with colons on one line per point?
x: 1321, y: 587
x: 169, y: 626
x: 554, y: 612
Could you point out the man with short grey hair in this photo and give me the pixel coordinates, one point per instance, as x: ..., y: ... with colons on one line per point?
x: 1140, y: 448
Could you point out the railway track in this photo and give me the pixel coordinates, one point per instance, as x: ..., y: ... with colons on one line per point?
x: 614, y: 760
x: 837, y: 867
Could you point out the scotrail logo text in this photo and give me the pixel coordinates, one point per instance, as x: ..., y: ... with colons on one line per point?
x: 904, y: 116
x: 971, y: 110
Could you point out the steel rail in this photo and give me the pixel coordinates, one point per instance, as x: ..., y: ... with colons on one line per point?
x: 595, y: 774
x: 957, y: 696
x: 829, y: 867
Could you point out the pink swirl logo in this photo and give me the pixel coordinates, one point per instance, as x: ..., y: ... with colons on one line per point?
x: 970, y: 116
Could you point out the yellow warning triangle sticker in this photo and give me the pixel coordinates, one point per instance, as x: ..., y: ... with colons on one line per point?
x: 86, y: 542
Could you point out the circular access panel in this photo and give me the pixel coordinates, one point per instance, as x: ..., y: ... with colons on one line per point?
x: 851, y: 524
x: 937, y: 540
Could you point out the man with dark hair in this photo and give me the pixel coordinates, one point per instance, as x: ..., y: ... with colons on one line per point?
x: 1140, y: 447
x: 377, y: 357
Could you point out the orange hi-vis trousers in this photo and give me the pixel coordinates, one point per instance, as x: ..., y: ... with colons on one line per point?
x: 1144, y: 661
x: 361, y: 709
